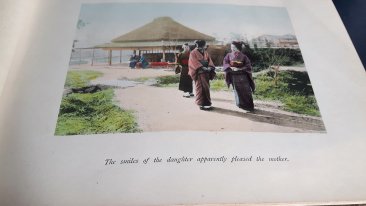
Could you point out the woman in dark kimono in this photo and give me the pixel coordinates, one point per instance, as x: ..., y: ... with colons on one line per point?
x: 185, y: 81
x: 143, y: 63
x: 134, y: 59
x: 202, y: 70
x: 238, y: 73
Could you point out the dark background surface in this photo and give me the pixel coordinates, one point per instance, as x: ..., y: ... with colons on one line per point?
x: 353, y: 15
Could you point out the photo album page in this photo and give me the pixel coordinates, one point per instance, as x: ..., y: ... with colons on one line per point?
x: 182, y: 103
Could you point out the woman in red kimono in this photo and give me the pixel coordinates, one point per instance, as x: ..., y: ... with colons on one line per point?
x: 185, y: 81
x: 202, y: 70
x: 238, y: 73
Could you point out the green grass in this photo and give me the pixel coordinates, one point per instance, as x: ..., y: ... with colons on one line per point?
x: 168, y: 81
x: 220, y: 76
x: 93, y: 113
x: 293, y: 89
x: 78, y: 79
x: 141, y: 79
x: 173, y: 81
x: 302, y: 104
x: 168, y: 85
x: 219, y: 85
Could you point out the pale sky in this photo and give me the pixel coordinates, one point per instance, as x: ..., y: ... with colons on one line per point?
x: 109, y: 20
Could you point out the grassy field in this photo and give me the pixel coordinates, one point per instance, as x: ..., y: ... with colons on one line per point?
x: 292, y: 88
x: 168, y: 81
x: 219, y: 84
x: 173, y: 80
x: 77, y: 79
x: 91, y: 113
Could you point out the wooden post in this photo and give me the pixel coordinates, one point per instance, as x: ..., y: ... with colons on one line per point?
x: 277, y: 70
x: 164, y: 54
x: 110, y: 58
x: 92, y: 61
x: 80, y: 57
x: 120, y: 57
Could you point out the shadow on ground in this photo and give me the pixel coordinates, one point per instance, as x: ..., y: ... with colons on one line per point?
x: 259, y: 115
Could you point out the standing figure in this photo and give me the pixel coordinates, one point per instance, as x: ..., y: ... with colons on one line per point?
x: 133, y: 60
x: 142, y: 62
x: 238, y: 73
x: 202, y: 70
x: 185, y: 81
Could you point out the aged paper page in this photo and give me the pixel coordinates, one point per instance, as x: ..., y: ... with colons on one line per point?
x: 39, y: 168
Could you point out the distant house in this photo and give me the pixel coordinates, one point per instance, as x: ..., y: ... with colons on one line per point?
x: 275, y: 41
x: 157, y: 38
x: 287, y: 43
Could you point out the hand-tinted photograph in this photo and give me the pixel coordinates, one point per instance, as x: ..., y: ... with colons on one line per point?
x: 186, y: 67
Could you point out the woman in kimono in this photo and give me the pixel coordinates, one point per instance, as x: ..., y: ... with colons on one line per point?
x: 134, y: 60
x: 143, y: 62
x: 201, y: 70
x: 185, y: 81
x: 238, y: 73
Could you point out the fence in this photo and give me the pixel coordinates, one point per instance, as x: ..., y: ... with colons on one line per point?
x: 95, y: 56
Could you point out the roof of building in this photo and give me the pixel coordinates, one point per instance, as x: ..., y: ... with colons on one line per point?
x: 162, y: 29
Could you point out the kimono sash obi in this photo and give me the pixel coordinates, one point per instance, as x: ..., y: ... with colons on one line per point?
x: 204, y: 63
x: 240, y: 71
x: 184, y: 62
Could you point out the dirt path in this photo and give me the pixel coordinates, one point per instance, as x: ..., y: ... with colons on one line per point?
x: 164, y: 109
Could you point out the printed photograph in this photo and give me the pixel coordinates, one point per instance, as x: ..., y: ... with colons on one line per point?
x: 153, y: 67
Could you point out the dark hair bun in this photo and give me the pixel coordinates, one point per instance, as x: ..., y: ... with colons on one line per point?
x: 200, y: 43
x: 238, y: 44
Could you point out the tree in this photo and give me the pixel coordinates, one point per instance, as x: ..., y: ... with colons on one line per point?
x: 275, y: 61
x: 255, y: 46
x: 268, y: 43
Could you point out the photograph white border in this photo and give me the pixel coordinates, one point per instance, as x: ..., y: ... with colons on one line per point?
x: 43, y: 169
